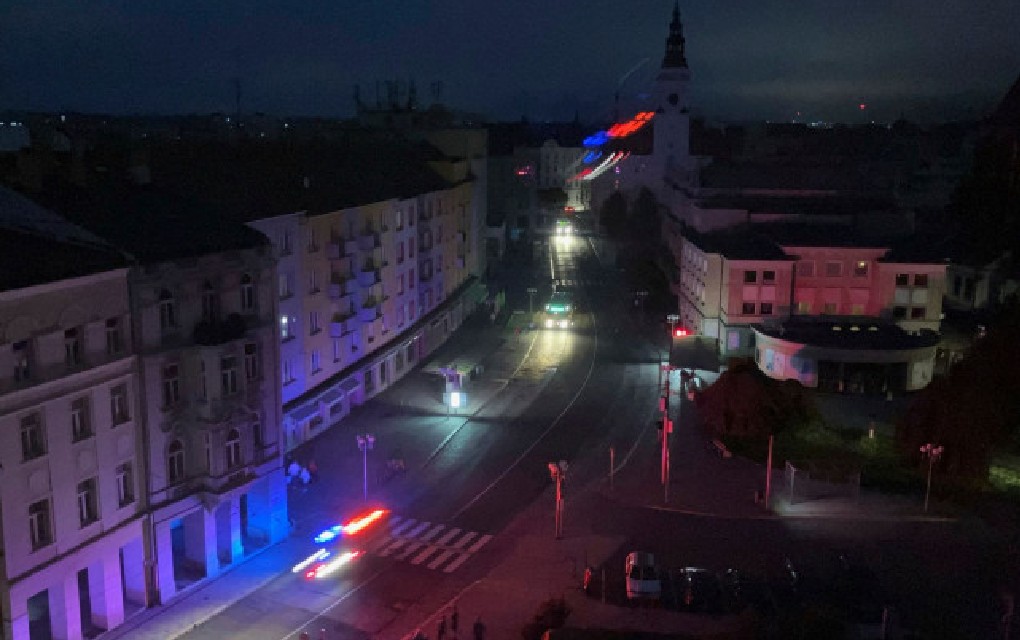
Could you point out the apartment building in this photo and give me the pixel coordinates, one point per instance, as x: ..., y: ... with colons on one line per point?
x: 72, y: 459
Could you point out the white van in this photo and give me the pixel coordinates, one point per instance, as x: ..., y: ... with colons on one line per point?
x: 642, y: 576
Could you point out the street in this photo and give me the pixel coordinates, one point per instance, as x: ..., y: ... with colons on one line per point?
x: 572, y: 395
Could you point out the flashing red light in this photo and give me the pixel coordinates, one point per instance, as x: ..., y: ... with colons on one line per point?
x: 680, y: 332
x: 360, y: 523
x: 862, y: 106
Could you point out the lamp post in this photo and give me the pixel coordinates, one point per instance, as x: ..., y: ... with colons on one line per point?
x: 558, y: 473
x: 366, y: 442
x: 934, y: 452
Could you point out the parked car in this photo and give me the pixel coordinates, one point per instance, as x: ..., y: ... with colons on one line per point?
x: 699, y: 591
x: 643, y: 581
x: 744, y: 590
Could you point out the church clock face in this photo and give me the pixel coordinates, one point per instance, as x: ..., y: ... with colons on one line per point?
x: 674, y: 99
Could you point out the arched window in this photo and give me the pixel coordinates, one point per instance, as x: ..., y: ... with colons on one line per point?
x: 167, y: 311
x: 210, y: 302
x: 247, y: 294
x: 175, y: 462
x: 233, y: 449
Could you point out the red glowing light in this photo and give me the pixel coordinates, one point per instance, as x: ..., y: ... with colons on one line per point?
x: 862, y: 106
x: 680, y: 332
x: 358, y: 524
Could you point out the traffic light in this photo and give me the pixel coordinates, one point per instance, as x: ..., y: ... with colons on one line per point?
x: 680, y: 332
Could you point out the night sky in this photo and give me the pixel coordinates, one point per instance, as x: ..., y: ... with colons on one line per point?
x: 546, y: 59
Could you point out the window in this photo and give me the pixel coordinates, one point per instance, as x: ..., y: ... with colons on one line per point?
x: 33, y: 444
x: 861, y: 269
x: 256, y: 435
x: 920, y: 279
x: 768, y: 277
x: 285, y: 243
x: 125, y: 485
x: 857, y: 309
x: 88, y: 502
x: 313, y: 323
x: 337, y: 350
x: 39, y: 524
x: 175, y: 462
x: 410, y: 248
x: 171, y: 385
x: 288, y: 374
x: 167, y: 311
x: 400, y: 252
x: 312, y: 245
x: 286, y: 332
x: 750, y: 277
x: 233, y: 449
x: 72, y: 348
x: 247, y: 294
x: 747, y: 308
x: 207, y: 448
x: 119, y: 410
x: 410, y: 278
x: 830, y: 308
x: 833, y: 269
x: 400, y: 219
x: 917, y: 313
x: 203, y: 385
x: 22, y: 359
x: 251, y: 361
x: 766, y: 308
x: 284, y: 284
x: 902, y: 279
x: 228, y: 375
x: 732, y: 340
x: 400, y: 285
x: 210, y: 302
x: 806, y: 269
x: 899, y: 313
x: 316, y: 365
x: 81, y: 422
x: 313, y: 281
x: 114, y: 341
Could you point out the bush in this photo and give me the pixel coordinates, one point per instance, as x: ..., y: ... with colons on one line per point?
x: 551, y: 614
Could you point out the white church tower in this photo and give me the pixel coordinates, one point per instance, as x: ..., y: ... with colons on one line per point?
x: 672, y: 124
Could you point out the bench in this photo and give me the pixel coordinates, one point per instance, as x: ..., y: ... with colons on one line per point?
x: 721, y: 449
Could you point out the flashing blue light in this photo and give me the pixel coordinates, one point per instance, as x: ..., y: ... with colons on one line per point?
x: 596, y: 139
x: 591, y: 156
x: 329, y: 534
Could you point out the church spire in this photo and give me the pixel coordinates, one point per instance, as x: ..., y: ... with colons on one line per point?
x: 675, y: 42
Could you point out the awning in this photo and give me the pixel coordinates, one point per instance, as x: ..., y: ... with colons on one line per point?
x: 331, y: 396
x: 304, y: 412
x: 350, y: 385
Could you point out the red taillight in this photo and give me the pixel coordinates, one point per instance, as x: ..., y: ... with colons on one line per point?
x: 680, y: 332
x: 358, y: 524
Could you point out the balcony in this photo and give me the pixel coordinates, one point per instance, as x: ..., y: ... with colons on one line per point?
x: 368, y: 276
x: 368, y: 238
x: 335, y: 250
x: 368, y: 314
x: 350, y: 247
x: 211, y: 333
x: 339, y: 325
x: 340, y: 285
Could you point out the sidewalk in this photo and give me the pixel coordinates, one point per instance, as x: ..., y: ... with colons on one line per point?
x: 397, y: 414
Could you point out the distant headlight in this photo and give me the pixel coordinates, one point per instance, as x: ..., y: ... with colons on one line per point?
x: 564, y: 324
x: 548, y: 324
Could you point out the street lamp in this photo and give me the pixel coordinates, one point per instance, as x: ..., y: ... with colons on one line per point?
x: 366, y: 443
x: 558, y: 472
x: 934, y: 452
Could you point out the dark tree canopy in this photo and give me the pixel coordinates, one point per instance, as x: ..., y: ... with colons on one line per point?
x: 613, y: 215
x: 746, y: 403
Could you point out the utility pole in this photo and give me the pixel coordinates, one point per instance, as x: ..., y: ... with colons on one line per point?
x: 531, y: 296
x: 558, y: 473
x: 667, y: 428
x: 934, y: 452
x: 768, y: 473
x: 366, y: 443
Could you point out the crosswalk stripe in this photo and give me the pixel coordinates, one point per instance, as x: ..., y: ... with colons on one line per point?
x: 450, y: 568
x: 432, y: 533
x: 466, y: 539
x: 399, y: 542
x: 418, y: 559
x: 396, y: 531
x: 449, y: 535
x: 413, y: 533
x: 441, y: 558
x: 411, y: 548
x: 480, y: 543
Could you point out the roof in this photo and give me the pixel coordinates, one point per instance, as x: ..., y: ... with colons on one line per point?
x: 737, y: 244
x: 1007, y: 114
x: 28, y: 259
x: 840, y: 333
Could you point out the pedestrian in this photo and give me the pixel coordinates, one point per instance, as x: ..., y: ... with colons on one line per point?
x: 479, y: 629
x: 454, y: 620
x: 441, y: 631
x: 304, y: 636
x: 313, y: 470
x: 305, y: 476
x: 322, y: 634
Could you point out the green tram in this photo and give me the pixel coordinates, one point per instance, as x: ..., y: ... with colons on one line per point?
x: 559, y: 311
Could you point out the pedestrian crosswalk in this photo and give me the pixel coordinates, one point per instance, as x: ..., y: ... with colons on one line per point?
x: 434, y: 546
x: 564, y: 284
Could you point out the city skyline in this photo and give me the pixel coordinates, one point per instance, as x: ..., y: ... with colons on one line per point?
x: 749, y: 60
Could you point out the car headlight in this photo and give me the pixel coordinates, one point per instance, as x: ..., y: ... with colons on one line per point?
x: 548, y: 323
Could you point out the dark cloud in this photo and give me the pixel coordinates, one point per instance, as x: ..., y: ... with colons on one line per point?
x: 750, y: 58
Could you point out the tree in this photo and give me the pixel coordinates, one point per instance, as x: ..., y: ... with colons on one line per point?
x: 613, y: 215
x: 973, y: 410
x: 746, y: 403
x: 552, y: 197
x: 645, y: 223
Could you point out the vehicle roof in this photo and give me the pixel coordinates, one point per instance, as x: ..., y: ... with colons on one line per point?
x: 641, y: 557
